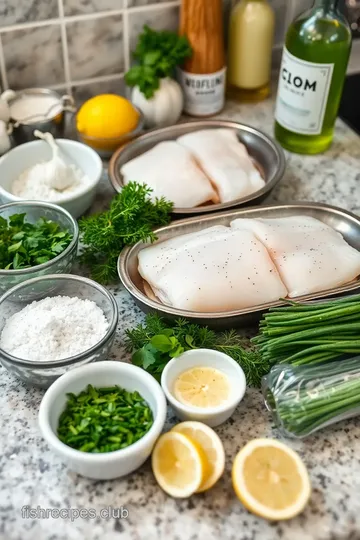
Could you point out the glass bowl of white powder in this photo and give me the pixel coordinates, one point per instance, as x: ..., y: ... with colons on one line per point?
x: 62, y: 263
x: 71, y: 323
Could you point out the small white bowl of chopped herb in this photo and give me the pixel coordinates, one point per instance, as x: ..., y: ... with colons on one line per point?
x: 36, y: 239
x: 103, y: 419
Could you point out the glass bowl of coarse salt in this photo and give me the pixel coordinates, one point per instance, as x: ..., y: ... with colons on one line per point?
x: 38, y: 238
x: 71, y: 323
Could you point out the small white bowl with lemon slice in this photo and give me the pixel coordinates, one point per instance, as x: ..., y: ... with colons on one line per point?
x: 203, y: 385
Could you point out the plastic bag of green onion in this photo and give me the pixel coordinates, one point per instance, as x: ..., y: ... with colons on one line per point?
x: 304, y: 399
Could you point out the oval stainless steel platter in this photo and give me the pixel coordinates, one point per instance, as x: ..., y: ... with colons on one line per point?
x: 267, y: 155
x: 344, y: 222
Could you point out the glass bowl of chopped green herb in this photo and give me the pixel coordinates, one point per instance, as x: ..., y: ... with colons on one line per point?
x: 103, y: 419
x: 71, y: 323
x: 36, y: 238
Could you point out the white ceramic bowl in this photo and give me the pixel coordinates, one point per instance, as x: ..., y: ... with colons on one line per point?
x: 29, y: 154
x: 205, y: 358
x: 108, y: 373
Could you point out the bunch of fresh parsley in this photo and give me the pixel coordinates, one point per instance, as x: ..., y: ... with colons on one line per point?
x: 157, y: 54
x: 23, y: 244
x: 131, y: 217
x: 157, y: 341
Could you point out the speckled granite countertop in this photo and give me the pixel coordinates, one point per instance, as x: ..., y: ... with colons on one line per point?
x: 31, y: 475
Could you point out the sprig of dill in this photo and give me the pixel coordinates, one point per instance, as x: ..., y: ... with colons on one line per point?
x: 154, y: 343
x: 131, y: 217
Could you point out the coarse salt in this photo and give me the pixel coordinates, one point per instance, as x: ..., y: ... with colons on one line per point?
x: 54, y: 328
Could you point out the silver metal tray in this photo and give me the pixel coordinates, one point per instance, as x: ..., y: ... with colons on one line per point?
x: 267, y: 155
x: 342, y: 221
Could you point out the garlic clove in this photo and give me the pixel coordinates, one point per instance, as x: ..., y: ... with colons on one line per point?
x: 57, y: 173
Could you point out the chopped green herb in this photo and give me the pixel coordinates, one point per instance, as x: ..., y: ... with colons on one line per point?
x: 104, y: 419
x: 24, y: 244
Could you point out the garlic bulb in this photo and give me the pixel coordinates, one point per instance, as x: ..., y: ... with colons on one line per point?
x: 164, y: 108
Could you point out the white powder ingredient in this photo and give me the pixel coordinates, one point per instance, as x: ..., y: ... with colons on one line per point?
x: 54, y: 328
x: 30, y: 108
x: 33, y: 184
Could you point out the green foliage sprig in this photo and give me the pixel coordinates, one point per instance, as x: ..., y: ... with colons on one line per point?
x: 154, y: 343
x: 157, y: 54
x: 131, y: 218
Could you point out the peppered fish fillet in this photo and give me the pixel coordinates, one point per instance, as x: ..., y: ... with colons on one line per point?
x: 225, y: 161
x: 170, y: 170
x: 221, y: 270
x: 153, y: 260
x: 309, y: 255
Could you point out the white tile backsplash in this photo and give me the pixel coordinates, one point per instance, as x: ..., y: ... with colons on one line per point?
x: 93, y: 39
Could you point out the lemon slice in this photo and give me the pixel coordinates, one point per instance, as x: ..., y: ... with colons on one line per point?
x: 211, y: 444
x: 270, y: 479
x: 179, y: 464
x: 202, y: 387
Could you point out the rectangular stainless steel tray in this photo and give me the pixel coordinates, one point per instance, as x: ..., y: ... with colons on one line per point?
x: 342, y: 221
x: 265, y: 152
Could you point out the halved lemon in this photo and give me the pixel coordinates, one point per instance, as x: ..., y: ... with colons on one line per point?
x: 179, y: 464
x: 203, y: 387
x: 270, y: 479
x: 211, y: 443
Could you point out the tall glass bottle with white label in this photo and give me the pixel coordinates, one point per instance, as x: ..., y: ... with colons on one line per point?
x: 312, y: 73
x: 203, y: 76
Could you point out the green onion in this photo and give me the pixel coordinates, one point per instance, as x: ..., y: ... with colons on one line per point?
x: 104, y: 419
x: 304, y: 399
x: 313, y: 333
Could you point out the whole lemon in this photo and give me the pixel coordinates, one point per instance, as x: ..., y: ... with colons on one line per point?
x: 106, y: 116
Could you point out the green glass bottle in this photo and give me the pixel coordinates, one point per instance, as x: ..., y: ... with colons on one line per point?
x: 312, y: 73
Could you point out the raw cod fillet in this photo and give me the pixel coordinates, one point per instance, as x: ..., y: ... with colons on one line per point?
x: 309, y: 255
x: 170, y: 170
x: 225, y: 161
x: 153, y: 260
x: 219, y: 270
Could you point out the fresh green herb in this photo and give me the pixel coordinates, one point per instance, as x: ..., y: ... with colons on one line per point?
x: 306, y: 398
x: 157, y: 54
x: 104, y: 419
x: 157, y: 341
x: 23, y: 244
x: 131, y: 218
x: 310, y: 333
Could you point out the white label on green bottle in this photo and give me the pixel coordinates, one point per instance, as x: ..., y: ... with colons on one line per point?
x: 302, y: 94
x: 203, y: 94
